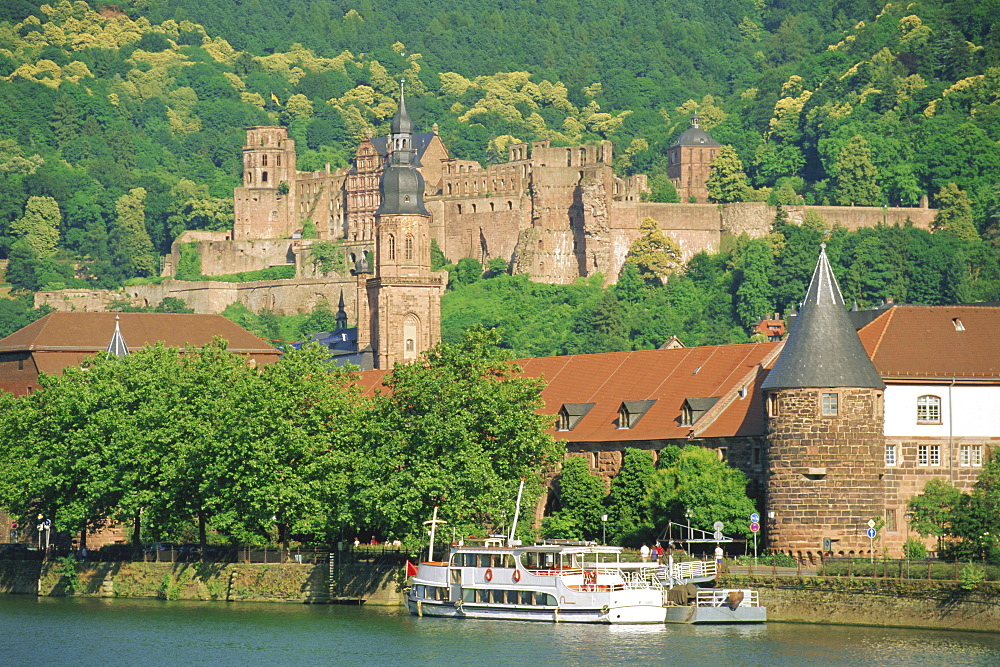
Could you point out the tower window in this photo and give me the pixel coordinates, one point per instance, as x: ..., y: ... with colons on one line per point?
x: 772, y: 405
x: 928, y: 409
x: 263, y: 161
x: 830, y: 405
x: 392, y: 247
x: 408, y: 246
x: 890, y: 455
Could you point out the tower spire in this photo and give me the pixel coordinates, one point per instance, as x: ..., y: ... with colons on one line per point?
x: 117, y: 346
x: 823, y: 348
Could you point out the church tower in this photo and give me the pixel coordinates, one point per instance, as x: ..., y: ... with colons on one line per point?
x: 404, y: 296
x: 689, y: 162
x: 825, y: 434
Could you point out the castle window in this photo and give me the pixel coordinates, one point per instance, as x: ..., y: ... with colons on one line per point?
x: 772, y: 405
x: 755, y: 456
x: 263, y: 177
x: 830, y: 405
x: 928, y: 410
x: 408, y: 247
x: 510, y: 206
x: 473, y: 208
x: 890, y: 455
x: 972, y: 455
x: 263, y: 161
x: 277, y: 160
x: 449, y: 188
x: 460, y: 209
x: 890, y: 520
x: 392, y: 247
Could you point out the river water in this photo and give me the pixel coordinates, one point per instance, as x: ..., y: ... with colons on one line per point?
x: 61, y: 631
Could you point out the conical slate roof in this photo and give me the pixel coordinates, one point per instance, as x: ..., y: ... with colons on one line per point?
x: 117, y: 346
x: 401, y: 123
x: 823, y: 348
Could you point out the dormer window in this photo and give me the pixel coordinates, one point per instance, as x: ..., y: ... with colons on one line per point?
x: 694, y: 408
x: 631, y: 412
x: 570, y: 414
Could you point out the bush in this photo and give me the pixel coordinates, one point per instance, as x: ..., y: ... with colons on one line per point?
x: 914, y: 548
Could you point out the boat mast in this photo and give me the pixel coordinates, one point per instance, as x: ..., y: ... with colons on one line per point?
x: 434, y: 522
x: 517, y: 511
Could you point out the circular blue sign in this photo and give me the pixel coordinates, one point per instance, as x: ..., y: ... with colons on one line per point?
x: 871, y: 532
x: 754, y: 518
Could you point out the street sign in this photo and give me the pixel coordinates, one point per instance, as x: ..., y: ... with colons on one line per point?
x: 718, y: 525
x: 871, y: 533
x: 754, y: 526
x: 871, y: 523
x: 717, y: 534
x: 755, y: 518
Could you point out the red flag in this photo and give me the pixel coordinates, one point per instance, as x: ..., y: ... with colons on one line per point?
x: 411, y: 569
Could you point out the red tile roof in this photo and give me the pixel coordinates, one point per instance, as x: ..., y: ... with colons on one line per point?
x: 935, y: 342
x: 665, y: 376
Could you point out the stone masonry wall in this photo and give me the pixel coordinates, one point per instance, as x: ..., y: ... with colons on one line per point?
x: 824, y: 477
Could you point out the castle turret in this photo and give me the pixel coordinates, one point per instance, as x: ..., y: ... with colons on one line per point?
x: 825, y: 434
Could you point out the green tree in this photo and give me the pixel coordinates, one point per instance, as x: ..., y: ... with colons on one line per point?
x: 753, y: 298
x: 661, y: 190
x: 39, y: 227
x: 857, y: 177
x: 629, y: 522
x: 458, y: 429
x: 581, y: 502
x: 954, y: 213
x: 700, y: 482
x: 933, y: 510
x: 727, y: 182
x: 653, y: 253
x: 130, y: 242
x: 974, y: 519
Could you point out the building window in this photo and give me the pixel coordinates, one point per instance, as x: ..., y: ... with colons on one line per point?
x: 890, y: 455
x: 890, y: 520
x: 392, y: 247
x: 972, y: 455
x: 928, y: 410
x: 935, y: 454
x: 408, y: 246
x: 831, y: 407
x: 755, y: 456
x: 922, y: 456
x: 623, y: 418
x: 772, y: 405
x: 686, y: 415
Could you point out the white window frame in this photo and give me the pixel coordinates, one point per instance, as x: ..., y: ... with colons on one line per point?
x: 922, y: 455
x: 829, y: 404
x: 977, y: 456
x: 890, y: 455
x: 928, y: 409
x: 935, y: 455
x: 965, y: 455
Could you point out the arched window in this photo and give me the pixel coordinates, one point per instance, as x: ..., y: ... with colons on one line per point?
x: 263, y: 177
x: 392, y: 247
x: 408, y: 246
x: 410, y: 334
x: 928, y: 409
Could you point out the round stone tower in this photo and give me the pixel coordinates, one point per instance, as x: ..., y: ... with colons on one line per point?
x: 825, y: 435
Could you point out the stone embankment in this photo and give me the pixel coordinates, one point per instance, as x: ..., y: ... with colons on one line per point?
x: 805, y: 599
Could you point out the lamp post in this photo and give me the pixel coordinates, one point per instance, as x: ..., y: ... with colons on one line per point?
x: 687, y: 517
x: 604, y: 529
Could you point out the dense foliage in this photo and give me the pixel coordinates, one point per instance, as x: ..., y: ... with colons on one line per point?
x: 121, y: 117
x: 164, y: 440
x: 718, y: 297
x: 965, y: 524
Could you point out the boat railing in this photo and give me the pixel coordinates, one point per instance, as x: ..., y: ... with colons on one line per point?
x: 725, y: 597
x: 694, y: 569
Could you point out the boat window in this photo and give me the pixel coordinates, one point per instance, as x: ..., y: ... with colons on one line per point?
x: 469, y: 595
x: 484, y: 560
x: 512, y: 597
x: 525, y: 597
x: 470, y: 560
x: 456, y: 576
x: 482, y: 595
x: 550, y: 600
x: 498, y: 597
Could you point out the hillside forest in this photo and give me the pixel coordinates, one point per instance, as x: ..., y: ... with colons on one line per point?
x: 122, y: 125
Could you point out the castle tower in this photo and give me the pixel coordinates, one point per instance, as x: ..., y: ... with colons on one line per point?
x: 689, y: 162
x: 404, y: 297
x: 264, y: 208
x: 825, y: 436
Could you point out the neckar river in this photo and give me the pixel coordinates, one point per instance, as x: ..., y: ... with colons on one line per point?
x: 81, y: 631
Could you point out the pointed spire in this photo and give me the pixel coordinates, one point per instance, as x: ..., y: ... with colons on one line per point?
x: 823, y: 350
x: 117, y: 346
x: 341, y: 314
x: 401, y: 123
x: 402, y: 186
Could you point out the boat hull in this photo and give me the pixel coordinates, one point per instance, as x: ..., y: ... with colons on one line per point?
x: 715, y: 615
x: 625, y: 614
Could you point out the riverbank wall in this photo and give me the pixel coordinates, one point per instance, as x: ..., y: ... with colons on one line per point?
x: 875, y: 602
x: 369, y: 583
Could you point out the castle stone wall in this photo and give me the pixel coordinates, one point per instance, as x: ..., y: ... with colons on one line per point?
x: 223, y: 256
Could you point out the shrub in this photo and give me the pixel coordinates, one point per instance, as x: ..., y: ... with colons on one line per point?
x: 914, y: 548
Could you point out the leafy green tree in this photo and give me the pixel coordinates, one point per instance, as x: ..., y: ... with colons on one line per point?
x: 727, y: 182
x: 954, y: 213
x: 974, y: 520
x: 130, y: 242
x: 654, y: 254
x: 467, y: 271
x: 581, y: 502
x: 457, y: 429
x: 857, y: 178
x: 756, y: 264
x: 39, y: 227
x: 322, y: 318
x: 629, y: 523
x: 933, y: 510
x: 700, y: 482
x: 661, y: 190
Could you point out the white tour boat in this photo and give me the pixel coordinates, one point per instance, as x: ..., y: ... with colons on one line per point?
x: 571, y: 581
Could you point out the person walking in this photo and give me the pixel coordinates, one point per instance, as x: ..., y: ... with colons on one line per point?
x: 644, y: 553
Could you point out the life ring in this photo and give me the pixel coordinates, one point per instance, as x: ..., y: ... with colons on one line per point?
x: 489, y: 575
x: 517, y: 576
